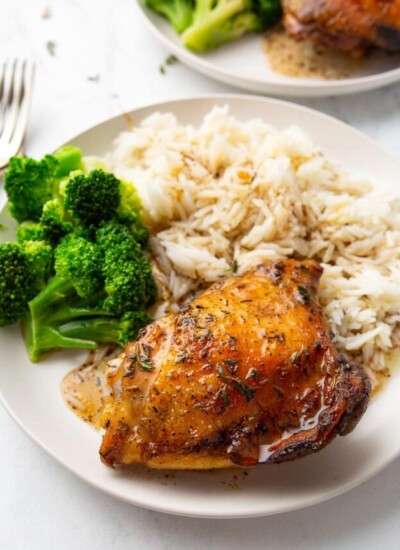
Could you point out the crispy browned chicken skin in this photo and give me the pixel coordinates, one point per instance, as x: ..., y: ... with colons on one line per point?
x: 246, y: 373
x: 349, y: 25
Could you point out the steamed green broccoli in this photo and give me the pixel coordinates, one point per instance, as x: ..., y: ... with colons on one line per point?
x: 51, y: 227
x: 69, y: 159
x: 98, y: 294
x: 75, y: 292
x: 53, y: 224
x: 129, y: 213
x: 56, y: 305
x: 78, y: 276
x: 179, y: 12
x: 99, y: 196
x: 24, y: 270
x: 80, y: 261
x: 40, y: 255
x: 92, y: 198
x: 30, y: 183
x: 29, y: 231
x: 128, y: 275
x: 216, y: 22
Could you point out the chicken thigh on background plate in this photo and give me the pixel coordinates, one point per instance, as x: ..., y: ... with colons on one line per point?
x: 349, y: 25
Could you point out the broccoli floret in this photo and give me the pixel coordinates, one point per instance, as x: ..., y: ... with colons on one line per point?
x: 129, y: 283
x: 52, y: 222
x: 92, y: 198
x: 130, y: 203
x: 31, y: 183
x: 216, y: 22
x: 98, y: 294
x: 129, y: 213
x: 91, y: 163
x: 79, y: 261
x: 51, y: 228
x: 99, y: 196
x: 179, y: 12
x: 23, y: 272
x: 269, y: 12
x: 40, y: 256
x: 16, y: 283
x: 29, y: 231
x: 133, y: 288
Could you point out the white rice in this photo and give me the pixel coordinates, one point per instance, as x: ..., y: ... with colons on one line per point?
x: 230, y: 193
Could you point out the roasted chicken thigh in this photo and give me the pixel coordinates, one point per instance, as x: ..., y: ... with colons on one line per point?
x: 246, y: 373
x: 349, y: 25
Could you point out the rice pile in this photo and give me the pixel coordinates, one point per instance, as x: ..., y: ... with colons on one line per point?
x: 228, y: 195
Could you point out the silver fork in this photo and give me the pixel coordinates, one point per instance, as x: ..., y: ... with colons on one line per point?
x: 16, y: 83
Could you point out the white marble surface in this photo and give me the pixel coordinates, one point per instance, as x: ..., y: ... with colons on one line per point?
x: 45, y: 507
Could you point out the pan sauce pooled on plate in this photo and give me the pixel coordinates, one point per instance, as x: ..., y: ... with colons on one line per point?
x: 303, y: 59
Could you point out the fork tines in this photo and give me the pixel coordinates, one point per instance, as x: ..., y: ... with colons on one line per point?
x: 16, y: 79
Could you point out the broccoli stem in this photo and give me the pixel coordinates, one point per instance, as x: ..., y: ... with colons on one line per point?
x: 54, y: 307
x: 42, y: 339
x: 69, y: 159
x: 106, y: 331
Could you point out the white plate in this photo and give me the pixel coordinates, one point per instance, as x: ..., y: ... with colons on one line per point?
x: 244, y: 64
x: 31, y: 393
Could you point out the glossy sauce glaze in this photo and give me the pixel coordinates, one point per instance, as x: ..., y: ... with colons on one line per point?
x: 83, y: 388
x: 244, y: 374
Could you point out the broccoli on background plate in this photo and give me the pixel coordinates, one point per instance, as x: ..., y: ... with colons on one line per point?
x: 208, y: 24
x: 179, y: 12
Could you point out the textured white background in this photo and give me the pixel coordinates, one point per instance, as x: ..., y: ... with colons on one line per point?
x: 44, y: 507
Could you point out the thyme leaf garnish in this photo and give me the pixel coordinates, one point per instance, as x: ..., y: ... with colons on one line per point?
x: 224, y: 396
x: 231, y: 365
x: 143, y: 357
x: 146, y: 365
x: 239, y: 386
